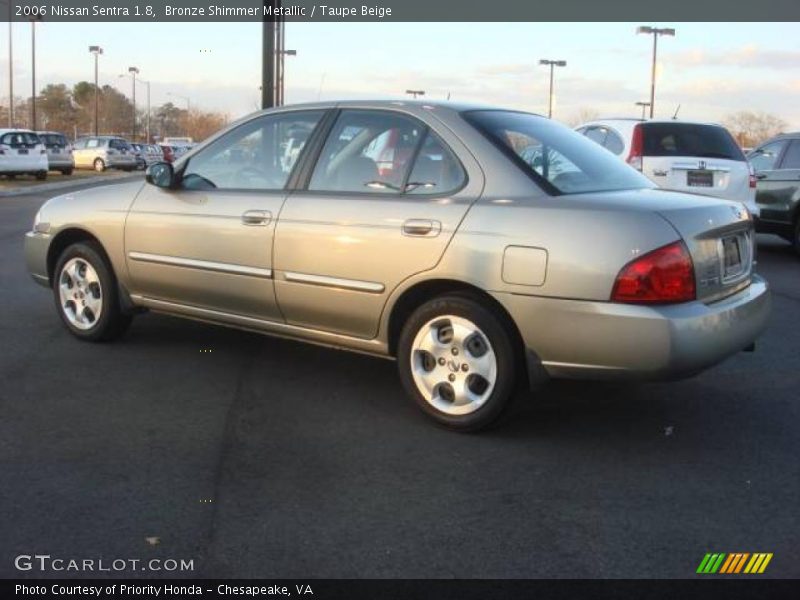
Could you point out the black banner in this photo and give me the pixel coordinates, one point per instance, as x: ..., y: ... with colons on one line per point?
x: 406, y: 589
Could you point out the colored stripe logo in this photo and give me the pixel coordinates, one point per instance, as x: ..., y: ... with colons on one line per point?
x: 734, y: 563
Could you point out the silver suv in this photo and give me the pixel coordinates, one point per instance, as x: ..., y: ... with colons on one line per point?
x: 103, y: 152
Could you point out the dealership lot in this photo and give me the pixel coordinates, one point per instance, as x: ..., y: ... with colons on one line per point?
x: 262, y: 457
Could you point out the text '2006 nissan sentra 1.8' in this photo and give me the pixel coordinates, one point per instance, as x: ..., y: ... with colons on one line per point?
x: 480, y: 247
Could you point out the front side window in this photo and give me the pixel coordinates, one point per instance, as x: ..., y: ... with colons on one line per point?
x: 367, y: 151
x: 258, y: 155
x: 766, y: 157
x: 564, y: 161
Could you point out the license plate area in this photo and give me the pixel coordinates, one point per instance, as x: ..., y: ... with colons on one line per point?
x: 22, y: 151
x: 700, y: 178
x: 735, y: 257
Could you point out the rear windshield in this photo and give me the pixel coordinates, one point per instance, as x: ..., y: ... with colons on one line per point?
x: 559, y: 159
x: 687, y: 139
x: 53, y: 139
x: 19, y: 139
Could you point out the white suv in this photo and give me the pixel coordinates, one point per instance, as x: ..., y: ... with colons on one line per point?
x: 701, y: 158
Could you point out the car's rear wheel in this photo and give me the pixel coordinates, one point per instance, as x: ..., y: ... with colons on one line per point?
x: 66, y: 172
x: 41, y: 175
x: 99, y: 165
x: 86, y: 296
x: 456, y: 359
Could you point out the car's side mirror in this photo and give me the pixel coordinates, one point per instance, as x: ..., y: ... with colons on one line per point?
x: 160, y: 174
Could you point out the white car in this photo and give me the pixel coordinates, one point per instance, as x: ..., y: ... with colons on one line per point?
x: 22, y: 153
x: 701, y: 158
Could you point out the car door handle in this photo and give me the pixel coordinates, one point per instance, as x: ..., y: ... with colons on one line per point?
x: 761, y: 175
x: 422, y: 228
x: 256, y: 217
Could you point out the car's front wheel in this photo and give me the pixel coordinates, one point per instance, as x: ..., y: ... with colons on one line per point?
x: 456, y: 359
x: 86, y: 296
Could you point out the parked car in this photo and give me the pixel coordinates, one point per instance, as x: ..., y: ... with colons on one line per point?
x: 473, y: 267
x: 22, y: 153
x: 59, y: 152
x: 146, y: 154
x: 701, y: 158
x: 777, y: 170
x: 103, y: 152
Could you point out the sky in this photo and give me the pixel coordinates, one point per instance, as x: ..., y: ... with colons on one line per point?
x: 709, y: 69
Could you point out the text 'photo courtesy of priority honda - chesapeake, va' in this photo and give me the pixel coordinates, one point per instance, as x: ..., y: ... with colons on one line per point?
x: 405, y: 299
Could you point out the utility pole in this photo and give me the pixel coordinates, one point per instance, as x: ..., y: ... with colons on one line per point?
x: 97, y: 51
x: 10, y: 69
x: 133, y: 71
x: 33, y: 75
x: 268, y: 55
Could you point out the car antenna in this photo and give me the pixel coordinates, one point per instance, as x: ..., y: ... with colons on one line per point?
x: 675, y: 116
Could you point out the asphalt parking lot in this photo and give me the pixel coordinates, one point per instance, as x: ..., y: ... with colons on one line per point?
x: 259, y: 457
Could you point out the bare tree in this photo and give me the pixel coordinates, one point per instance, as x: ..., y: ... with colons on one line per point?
x: 751, y: 128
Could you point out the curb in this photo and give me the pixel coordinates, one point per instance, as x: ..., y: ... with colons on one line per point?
x: 59, y: 185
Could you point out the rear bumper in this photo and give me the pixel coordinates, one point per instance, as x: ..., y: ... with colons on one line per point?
x: 603, y: 340
x: 60, y: 163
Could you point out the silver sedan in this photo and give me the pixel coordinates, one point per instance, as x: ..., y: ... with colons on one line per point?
x: 478, y: 247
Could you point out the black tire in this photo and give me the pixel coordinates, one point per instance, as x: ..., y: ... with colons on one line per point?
x: 99, y: 165
x: 112, y: 323
x: 500, y: 339
x: 41, y: 175
x: 66, y: 172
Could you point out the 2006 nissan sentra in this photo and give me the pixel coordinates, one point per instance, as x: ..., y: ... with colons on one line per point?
x: 479, y: 247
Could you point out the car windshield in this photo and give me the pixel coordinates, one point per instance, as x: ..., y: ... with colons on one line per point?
x: 53, y: 139
x: 690, y: 139
x: 563, y: 161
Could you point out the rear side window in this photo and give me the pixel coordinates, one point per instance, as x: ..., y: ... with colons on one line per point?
x: 614, y: 142
x: 436, y: 169
x: 791, y: 160
x: 688, y: 139
x: 367, y: 151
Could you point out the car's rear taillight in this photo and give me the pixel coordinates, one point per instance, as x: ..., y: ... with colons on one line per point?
x: 663, y: 276
x: 637, y: 147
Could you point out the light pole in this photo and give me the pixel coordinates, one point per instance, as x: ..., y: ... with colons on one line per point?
x: 552, y: 64
x: 133, y: 71
x: 97, y: 51
x: 147, y: 120
x: 415, y: 93
x: 33, y: 74
x: 655, y: 32
x: 644, y: 105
